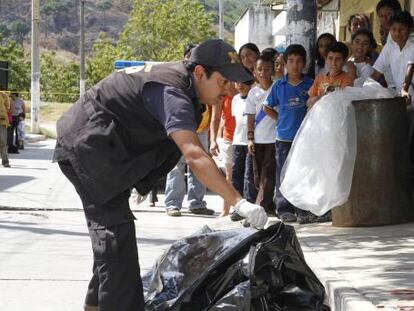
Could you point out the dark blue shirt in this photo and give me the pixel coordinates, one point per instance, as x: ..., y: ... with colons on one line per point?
x: 170, y: 106
x: 290, y: 103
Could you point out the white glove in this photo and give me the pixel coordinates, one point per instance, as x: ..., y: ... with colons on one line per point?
x: 137, y: 198
x: 254, y: 214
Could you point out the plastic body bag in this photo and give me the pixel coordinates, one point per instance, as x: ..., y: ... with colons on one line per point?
x: 241, y: 269
x: 317, y: 175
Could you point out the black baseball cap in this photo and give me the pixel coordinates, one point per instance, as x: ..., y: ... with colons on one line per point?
x: 222, y: 57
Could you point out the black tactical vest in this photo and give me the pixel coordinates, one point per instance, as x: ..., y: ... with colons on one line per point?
x: 112, y: 141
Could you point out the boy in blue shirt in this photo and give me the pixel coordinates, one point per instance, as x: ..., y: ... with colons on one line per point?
x: 287, y: 103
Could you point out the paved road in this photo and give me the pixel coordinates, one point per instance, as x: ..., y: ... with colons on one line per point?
x: 45, y: 256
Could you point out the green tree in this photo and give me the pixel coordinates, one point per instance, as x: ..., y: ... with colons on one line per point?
x: 4, y: 30
x: 59, y: 79
x: 159, y: 30
x: 100, y: 62
x: 19, y: 65
x: 19, y: 29
x: 103, y: 6
x: 49, y: 8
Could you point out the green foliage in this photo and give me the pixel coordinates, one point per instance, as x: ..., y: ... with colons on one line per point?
x: 19, y: 65
x: 4, y: 30
x: 159, y: 30
x: 104, y: 5
x: 100, y: 62
x: 59, y: 80
x: 19, y: 30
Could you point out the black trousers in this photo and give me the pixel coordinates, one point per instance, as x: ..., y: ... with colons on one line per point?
x: 116, y: 282
x: 264, y: 168
x: 12, y: 132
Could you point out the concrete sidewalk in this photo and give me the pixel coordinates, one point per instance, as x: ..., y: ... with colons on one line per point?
x: 46, y: 259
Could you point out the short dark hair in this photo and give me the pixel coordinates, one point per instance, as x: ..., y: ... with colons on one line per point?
x: 393, y: 4
x: 265, y: 58
x: 402, y: 17
x: 188, y: 48
x: 270, y: 52
x: 369, y: 34
x: 251, y: 46
x: 338, y: 47
x: 320, y: 61
x: 191, y: 66
x: 358, y: 15
x: 295, y: 49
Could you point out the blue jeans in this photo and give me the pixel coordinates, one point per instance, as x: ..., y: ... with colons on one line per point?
x: 282, y: 204
x: 242, y: 173
x: 175, y: 185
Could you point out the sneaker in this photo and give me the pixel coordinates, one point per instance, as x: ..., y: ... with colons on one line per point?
x: 202, y: 211
x: 6, y: 164
x: 307, y: 218
x: 174, y: 212
x: 236, y: 217
x: 245, y: 224
x: 288, y: 217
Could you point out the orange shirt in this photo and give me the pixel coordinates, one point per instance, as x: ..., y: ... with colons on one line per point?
x: 229, y: 122
x: 324, y: 83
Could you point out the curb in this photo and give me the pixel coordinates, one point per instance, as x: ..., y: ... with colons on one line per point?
x: 34, y: 138
x: 341, y: 295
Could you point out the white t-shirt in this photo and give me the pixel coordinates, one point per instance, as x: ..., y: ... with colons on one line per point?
x: 238, y: 108
x: 363, y: 72
x: 264, y: 131
x: 395, y: 60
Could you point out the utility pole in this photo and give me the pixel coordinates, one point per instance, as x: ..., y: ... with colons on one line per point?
x: 35, y: 84
x: 221, y: 20
x: 301, y: 27
x: 82, y: 48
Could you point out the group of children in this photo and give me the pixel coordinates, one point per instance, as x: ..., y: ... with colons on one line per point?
x: 269, y: 111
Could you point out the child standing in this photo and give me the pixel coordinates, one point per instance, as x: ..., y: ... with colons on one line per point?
x: 323, y: 41
x: 4, y: 123
x: 287, y: 104
x: 335, y: 79
x: 260, y: 134
x: 242, y: 166
x: 360, y: 64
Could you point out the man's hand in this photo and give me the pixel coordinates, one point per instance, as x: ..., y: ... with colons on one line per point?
x: 407, y: 97
x: 254, y: 214
x: 214, y: 148
x: 250, y: 146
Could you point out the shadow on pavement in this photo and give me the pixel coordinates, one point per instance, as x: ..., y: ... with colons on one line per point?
x: 36, y: 151
x: 8, y: 181
x: 40, y: 230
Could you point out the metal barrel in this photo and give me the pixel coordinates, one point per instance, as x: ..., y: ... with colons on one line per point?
x: 381, y: 191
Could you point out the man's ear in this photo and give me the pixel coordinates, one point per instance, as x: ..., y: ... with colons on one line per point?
x: 198, y: 72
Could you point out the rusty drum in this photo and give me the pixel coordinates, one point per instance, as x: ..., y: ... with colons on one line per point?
x: 381, y: 192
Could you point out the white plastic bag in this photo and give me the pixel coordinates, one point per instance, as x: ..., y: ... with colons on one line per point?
x: 317, y: 174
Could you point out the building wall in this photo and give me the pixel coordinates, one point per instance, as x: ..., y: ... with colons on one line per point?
x: 254, y: 26
x: 349, y: 7
x: 241, y: 31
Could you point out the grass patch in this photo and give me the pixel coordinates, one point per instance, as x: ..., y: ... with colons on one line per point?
x: 50, y: 112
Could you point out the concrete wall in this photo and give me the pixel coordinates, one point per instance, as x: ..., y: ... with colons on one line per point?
x: 241, y: 31
x: 255, y: 26
x: 349, y: 7
x: 328, y: 19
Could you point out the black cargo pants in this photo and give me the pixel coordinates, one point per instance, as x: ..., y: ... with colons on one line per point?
x: 116, y: 282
